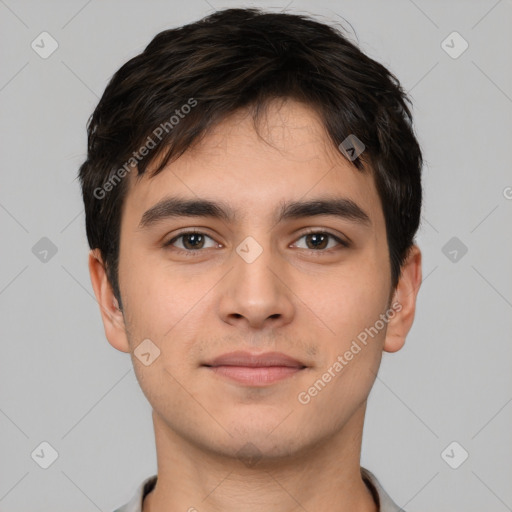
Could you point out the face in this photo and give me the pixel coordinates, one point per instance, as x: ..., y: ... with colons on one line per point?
x: 303, y: 283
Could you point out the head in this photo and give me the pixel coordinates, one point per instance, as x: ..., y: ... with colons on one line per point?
x: 243, y: 120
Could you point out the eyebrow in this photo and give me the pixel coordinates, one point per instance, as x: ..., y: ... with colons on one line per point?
x: 172, y: 207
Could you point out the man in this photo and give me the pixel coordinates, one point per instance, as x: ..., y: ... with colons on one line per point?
x: 252, y: 190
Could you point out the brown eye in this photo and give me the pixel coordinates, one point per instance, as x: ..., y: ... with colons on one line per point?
x: 190, y: 241
x: 193, y: 241
x: 319, y: 240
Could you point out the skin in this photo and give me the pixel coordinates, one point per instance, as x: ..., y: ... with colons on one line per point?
x: 306, y: 302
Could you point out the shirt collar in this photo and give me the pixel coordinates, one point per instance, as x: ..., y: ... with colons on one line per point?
x: 382, y: 499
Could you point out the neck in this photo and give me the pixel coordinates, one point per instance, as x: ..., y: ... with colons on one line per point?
x: 322, y: 477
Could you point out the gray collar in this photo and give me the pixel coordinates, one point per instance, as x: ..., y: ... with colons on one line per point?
x: 384, y: 502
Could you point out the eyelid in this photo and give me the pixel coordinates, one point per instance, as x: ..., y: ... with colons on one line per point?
x: 342, y: 240
x: 188, y: 231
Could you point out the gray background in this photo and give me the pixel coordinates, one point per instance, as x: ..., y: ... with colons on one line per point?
x: 60, y: 380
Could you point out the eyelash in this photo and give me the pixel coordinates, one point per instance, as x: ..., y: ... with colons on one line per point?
x: 191, y: 252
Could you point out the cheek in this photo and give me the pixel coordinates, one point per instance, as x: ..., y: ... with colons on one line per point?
x: 352, y: 301
x: 158, y: 295
x: 169, y: 310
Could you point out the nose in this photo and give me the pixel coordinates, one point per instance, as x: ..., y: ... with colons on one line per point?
x: 255, y: 293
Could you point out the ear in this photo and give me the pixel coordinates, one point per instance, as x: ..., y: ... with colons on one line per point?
x: 113, y: 319
x: 405, y: 299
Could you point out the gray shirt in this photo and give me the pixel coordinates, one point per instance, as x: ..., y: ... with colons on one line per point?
x: 383, y: 501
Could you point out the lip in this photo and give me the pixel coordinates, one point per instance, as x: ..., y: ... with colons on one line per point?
x: 241, y: 358
x: 255, y: 369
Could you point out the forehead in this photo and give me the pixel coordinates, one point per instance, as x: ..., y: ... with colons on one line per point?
x: 287, y: 155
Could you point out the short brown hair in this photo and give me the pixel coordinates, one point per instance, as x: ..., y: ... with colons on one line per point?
x: 238, y: 58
